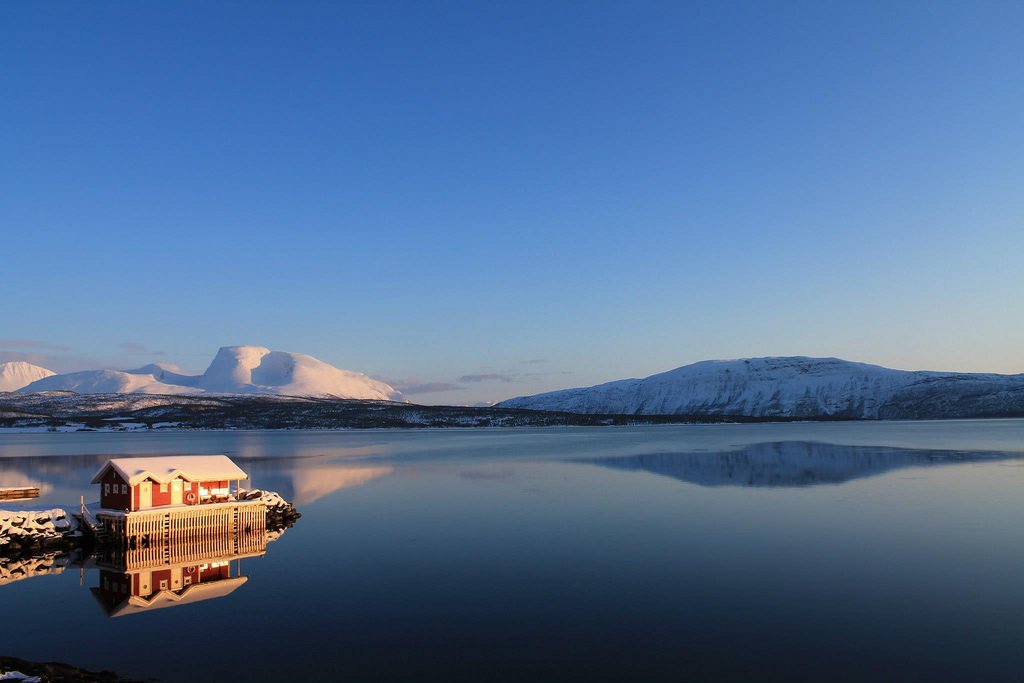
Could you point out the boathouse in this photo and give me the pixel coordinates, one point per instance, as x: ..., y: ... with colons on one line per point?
x: 175, y: 502
x: 131, y: 484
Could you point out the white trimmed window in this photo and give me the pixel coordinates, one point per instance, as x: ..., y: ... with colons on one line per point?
x: 163, y: 488
x: 106, y: 489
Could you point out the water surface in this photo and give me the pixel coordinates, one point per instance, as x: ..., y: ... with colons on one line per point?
x: 853, y: 551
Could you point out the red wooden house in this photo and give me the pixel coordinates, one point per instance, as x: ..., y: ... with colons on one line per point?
x: 132, y: 484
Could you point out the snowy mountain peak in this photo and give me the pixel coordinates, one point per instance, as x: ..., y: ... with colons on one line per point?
x: 234, y: 370
x: 16, y: 374
x: 791, y: 386
x: 233, y: 365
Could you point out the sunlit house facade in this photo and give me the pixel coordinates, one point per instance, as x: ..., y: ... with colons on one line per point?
x: 132, y: 484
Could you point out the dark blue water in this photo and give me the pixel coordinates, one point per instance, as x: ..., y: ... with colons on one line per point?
x: 846, y: 552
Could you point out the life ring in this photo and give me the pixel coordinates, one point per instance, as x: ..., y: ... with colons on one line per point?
x: 190, y: 570
x: 190, y: 497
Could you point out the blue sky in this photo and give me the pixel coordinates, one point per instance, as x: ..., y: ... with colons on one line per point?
x: 504, y: 198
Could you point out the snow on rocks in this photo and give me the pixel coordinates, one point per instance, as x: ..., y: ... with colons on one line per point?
x: 39, y: 527
x: 280, y: 513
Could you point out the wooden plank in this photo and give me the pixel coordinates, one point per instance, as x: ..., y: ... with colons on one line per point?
x: 18, y: 492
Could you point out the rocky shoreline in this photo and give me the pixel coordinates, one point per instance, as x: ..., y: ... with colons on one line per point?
x: 27, y: 532
x: 31, y: 533
x: 15, y: 669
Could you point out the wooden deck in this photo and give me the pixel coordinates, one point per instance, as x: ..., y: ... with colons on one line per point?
x: 19, y: 492
x: 181, y: 534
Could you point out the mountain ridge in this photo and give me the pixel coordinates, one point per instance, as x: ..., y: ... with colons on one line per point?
x: 234, y: 370
x: 792, y: 387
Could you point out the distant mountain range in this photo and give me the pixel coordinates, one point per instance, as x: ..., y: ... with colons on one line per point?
x: 234, y: 370
x: 793, y: 387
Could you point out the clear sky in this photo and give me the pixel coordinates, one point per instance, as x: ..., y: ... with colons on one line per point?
x: 499, y: 198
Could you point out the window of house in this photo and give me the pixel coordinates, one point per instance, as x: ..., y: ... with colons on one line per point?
x: 163, y: 584
x: 124, y: 488
x: 106, y: 489
x: 163, y: 488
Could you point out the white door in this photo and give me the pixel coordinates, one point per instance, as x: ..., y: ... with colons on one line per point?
x: 176, y: 492
x: 145, y: 495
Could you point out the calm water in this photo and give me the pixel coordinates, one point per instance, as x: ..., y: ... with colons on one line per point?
x: 817, y: 552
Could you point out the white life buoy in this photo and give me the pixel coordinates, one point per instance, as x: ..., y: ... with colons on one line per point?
x: 191, y: 497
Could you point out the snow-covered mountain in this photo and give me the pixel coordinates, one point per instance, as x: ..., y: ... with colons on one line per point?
x: 793, y: 387
x: 234, y: 370
x: 16, y: 374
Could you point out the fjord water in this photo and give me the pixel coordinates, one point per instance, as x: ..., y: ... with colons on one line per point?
x: 842, y: 552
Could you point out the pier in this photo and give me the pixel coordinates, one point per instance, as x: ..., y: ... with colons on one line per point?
x: 19, y: 492
x: 171, y: 535
x: 162, y: 510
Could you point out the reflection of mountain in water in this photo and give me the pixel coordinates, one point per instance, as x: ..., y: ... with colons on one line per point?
x: 314, y: 483
x: 304, y: 480
x: 790, y: 463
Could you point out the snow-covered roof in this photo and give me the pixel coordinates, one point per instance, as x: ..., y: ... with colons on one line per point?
x: 166, y: 468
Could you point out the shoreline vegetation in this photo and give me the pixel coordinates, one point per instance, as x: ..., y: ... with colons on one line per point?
x: 67, y: 411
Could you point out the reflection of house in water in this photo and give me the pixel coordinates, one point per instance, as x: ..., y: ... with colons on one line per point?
x: 121, y: 592
x: 140, y: 579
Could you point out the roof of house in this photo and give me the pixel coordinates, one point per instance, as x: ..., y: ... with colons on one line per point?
x: 165, y: 468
